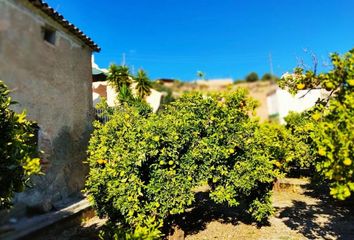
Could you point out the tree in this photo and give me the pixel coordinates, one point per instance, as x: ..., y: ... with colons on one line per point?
x: 125, y: 95
x: 331, y: 121
x: 119, y: 76
x: 143, y: 84
x: 269, y: 77
x: 201, y: 75
x: 18, y: 150
x: 252, y: 77
x: 143, y: 169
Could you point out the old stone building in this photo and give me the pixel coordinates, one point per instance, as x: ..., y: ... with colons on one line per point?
x: 46, y: 62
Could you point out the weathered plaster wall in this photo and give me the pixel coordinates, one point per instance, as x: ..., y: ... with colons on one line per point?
x: 53, y: 84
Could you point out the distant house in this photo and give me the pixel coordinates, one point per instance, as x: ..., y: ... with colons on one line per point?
x: 168, y: 82
x: 280, y: 102
x: 45, y: 61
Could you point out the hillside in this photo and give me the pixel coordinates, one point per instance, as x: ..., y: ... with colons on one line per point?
x: 258, y: 90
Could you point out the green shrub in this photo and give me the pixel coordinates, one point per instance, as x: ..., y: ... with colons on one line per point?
x: 283, y: 147
x: 17, y: 150
x: 300, y: 127
x: 330, y: 124
x: 143, y: 169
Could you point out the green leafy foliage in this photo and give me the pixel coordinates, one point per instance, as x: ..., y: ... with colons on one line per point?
x: 283, y: 147
x: 119, y: 76
x: 17, y: 150
x: 121, y: 79
x: 334, y: 138
x: 300, y: 127
x: 143, y: 169
x: 143, y: 84
x: 125, y: 95
x: 252, y: 77
x: 331, y: 122
x: 269, y: 77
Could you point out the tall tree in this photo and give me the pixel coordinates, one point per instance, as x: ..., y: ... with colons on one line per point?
x: 143, y: 84
x: 119, y: 76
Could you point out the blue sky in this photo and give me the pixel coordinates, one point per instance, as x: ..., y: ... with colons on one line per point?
x: 222, y: 38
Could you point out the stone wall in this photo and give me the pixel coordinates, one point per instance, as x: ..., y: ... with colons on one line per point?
x: 53, y: 84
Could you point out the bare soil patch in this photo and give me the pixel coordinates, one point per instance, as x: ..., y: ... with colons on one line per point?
x: 301, y: 212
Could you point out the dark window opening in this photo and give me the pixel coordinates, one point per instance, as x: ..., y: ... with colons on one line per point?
x: 49, y: 35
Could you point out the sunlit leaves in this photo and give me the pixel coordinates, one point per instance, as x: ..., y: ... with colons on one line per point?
x: 155, y: 162
x: 330, y: 130
x: 17, y: 150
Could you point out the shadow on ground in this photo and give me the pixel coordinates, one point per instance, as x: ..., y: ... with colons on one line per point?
x: 82, y: 226
x: 205, y: 211
x: 325, y: 219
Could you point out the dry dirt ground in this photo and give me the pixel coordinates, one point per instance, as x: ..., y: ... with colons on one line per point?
x: 301, y: 213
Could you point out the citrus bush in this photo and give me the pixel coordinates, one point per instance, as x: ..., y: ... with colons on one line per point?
x: 284, y: 147
x: 300, y: 127
x: 17, y: 150
x: 331, y: 122
x: 144, y: 169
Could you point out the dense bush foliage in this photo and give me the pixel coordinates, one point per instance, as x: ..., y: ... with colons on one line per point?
x: 300, y: 127
x: 285, y: 148
x: 330, y: 124
x: 17, y: 150
x: 144, y: 169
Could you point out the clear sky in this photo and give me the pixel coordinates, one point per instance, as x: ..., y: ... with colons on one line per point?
x: 222, y: 38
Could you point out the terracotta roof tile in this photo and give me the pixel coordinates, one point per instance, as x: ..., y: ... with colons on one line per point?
x: 65, y: 23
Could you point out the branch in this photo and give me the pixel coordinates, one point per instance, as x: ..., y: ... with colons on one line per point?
x: 308, y: 92
x: 315, y: 63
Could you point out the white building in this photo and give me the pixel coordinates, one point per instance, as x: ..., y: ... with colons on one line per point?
x: 280, y: 102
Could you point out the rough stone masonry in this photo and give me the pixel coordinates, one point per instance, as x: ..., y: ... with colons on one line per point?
x: 46, y: 63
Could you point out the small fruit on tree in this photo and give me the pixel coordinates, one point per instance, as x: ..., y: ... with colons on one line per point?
x: 161, y: 185
x: 18, y: 150
x: 300, y: 86
x: 331, y: 136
